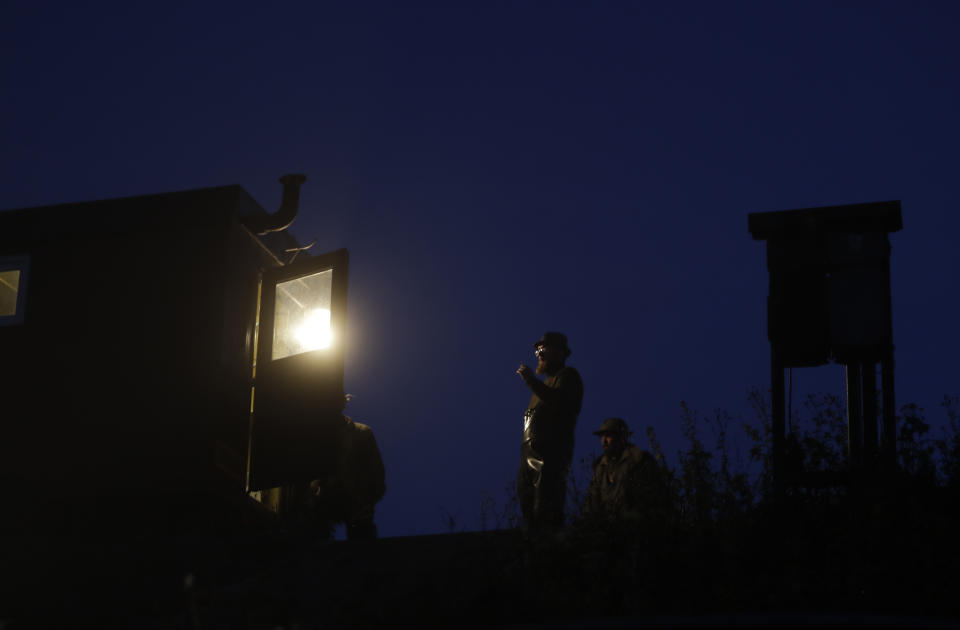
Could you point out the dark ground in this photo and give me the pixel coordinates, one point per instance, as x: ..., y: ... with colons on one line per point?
x: 836, y: 567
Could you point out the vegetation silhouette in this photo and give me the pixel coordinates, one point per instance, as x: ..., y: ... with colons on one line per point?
x: 884, y: 543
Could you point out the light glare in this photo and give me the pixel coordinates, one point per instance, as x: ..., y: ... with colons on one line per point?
x: 314, y: 332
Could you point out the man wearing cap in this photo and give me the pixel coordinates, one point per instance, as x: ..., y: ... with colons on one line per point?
x: 548, y: 431
x: 628, y: 485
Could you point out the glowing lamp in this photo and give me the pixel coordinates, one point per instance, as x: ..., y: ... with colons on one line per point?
x: 314, y: 332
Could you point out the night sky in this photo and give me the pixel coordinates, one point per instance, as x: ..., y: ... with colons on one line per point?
x: 500, y: 169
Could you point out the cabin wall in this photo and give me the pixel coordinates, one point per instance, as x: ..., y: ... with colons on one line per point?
x: 131, y: 370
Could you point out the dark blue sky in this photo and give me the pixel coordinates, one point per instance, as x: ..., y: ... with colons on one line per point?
x: 499, y: 169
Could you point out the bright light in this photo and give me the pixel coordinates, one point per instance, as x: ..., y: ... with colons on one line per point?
x: 314, y: 332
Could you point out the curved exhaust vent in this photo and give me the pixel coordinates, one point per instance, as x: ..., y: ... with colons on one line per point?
x: 282, y: 218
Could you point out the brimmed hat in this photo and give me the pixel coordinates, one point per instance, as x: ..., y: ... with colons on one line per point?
x: 553, y: 340
x: 613, y: 426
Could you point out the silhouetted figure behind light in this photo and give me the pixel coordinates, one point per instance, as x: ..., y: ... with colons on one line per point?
x: 548, y: 433
x: 350, y: 494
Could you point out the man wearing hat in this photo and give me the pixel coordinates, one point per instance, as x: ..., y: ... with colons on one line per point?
x: 628, y: 485
x: 548, y: 430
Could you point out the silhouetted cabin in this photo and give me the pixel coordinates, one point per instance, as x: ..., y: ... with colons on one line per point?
x: 128, y: 336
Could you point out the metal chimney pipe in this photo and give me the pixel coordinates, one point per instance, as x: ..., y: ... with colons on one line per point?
x: 282, y: 218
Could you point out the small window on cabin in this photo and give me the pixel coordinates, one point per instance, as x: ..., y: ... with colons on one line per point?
x: 302, y: 316
x: 13, y: 277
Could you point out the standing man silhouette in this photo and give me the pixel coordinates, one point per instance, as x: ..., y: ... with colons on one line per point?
x: 548, y: 433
